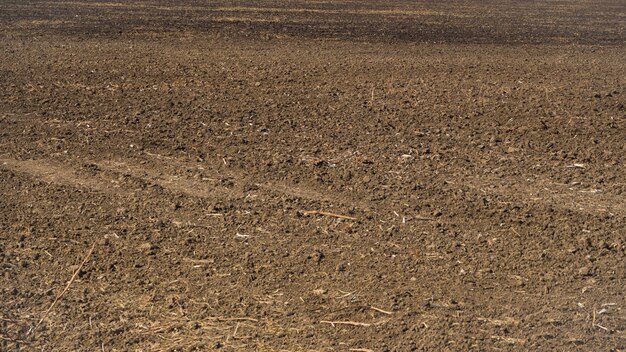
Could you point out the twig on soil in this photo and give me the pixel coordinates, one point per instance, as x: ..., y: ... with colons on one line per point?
x: 329, y: 214
x: 199, y: 261
x: 595, y: 325
x: 360, y: 350
x: 67, y: 287
x: 345, y: 294
x: 603, y: 328
x: 237, y: 319
x: 235, y: 332
x: 509, y: 340
x: 593, y: 319
x: 158, y: 156
x: 353, y: 323
x: 381, y: 311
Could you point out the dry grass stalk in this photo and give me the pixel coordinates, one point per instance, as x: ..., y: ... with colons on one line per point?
x: 236, y: 319
x: 45, y: 315
x: 353, y: 323
x: 509, y: 340
x: 330, y: 214
x: 381, y: 311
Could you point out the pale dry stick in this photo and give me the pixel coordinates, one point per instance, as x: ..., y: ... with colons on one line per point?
x: 509, y: 340
x: 344, y: 294
x: 360, y: 350
x: 603, y: 328
x: 199, y: 261
x: 67, y: 287
x: 593, y: 320
x: 237, y: 319
x: 236, y: 329
x: 381, y: 311
x: 353, y: 323
x: 158, y: 156
x: 329, y: 214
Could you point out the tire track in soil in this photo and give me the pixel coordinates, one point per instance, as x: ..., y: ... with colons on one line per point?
x: 545, y: 192
x: 550, y: 193
x: 241, y: 182
x: 55, y: 173
x: 162, y: 173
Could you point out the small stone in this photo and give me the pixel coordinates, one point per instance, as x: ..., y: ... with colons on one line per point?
x: 576, y: 342
x: 320, y: 291
x: 584, y: 271
x: 147, y: 246
x: 317, y: 256
x: 602, y: 244
x: 584, y: 241
x: 518, y: 280
x: 512, y: 150
x: 341, y: 267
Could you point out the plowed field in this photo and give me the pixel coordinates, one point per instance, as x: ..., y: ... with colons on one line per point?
x: 312, y: 176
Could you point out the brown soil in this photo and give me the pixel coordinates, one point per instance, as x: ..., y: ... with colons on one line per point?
x: 475, y: 153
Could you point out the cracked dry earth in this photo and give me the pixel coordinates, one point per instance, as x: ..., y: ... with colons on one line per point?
x: 312, y: 176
